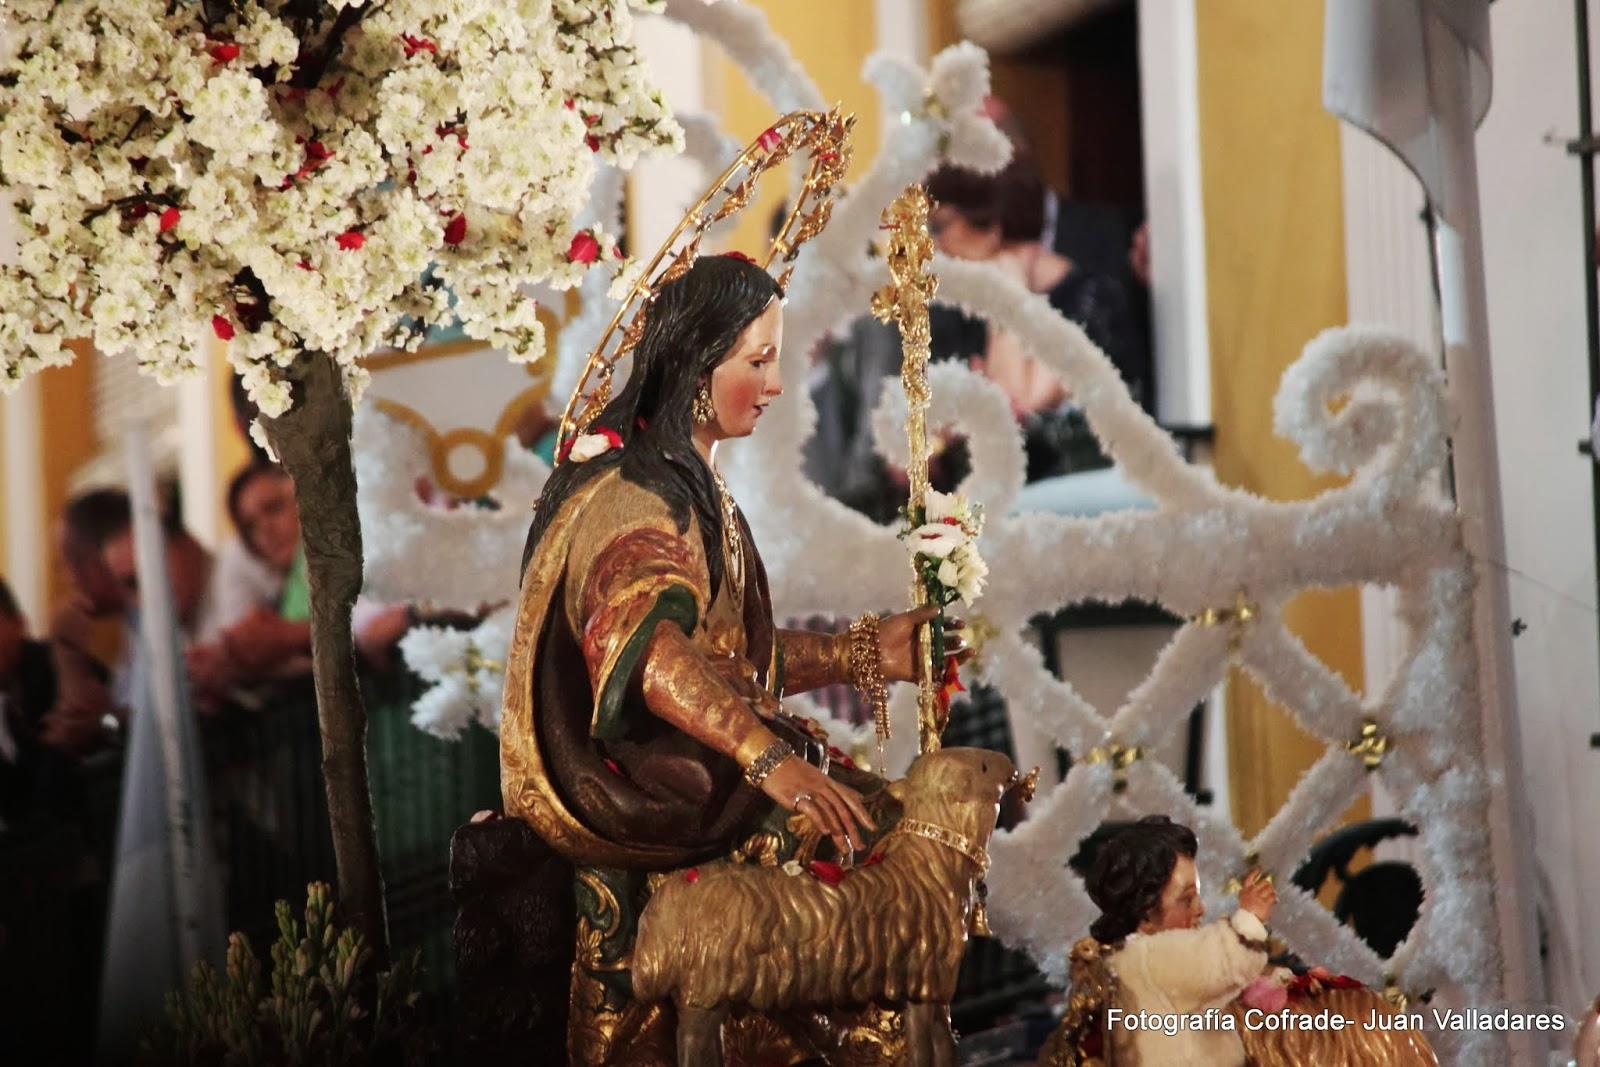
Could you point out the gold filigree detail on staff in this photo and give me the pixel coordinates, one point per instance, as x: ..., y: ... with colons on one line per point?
x: 904, y: 301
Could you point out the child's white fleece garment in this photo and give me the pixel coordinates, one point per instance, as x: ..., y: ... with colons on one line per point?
x: 1184, y: 972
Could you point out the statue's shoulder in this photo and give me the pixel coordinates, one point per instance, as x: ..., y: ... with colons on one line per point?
x: 612, y: 505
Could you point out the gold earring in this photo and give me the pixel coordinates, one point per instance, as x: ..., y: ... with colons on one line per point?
x: 704, y: 411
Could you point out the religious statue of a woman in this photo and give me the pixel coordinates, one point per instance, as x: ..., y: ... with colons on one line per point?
x: 642, y: 730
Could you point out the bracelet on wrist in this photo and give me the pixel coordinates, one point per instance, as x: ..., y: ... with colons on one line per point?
x: 767, y: 761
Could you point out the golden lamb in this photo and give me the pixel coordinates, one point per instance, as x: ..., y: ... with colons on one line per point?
x: 892, y: 932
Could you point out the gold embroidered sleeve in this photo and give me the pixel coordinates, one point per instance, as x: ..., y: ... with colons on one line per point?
x: 637, y: 580
x: 642, y: 597
x: 683, y: 687
x: 809, y: 660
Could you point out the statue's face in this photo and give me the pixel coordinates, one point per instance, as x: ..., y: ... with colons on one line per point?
x: 744, y: 383
x: 1180, y: 907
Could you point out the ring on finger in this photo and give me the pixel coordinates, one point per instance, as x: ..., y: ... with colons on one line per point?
x: 801, y: 798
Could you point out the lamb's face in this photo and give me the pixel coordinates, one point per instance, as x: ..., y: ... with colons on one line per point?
x: 970, y: 780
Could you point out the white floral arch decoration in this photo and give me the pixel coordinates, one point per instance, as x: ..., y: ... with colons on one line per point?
x: 1204, y: 546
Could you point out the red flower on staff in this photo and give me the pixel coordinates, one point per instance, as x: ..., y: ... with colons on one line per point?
x: 829, y: 873
x: 584, y: 248
x: 224, y: 51
x: 950, y: 684
x: 222, y: 327
x: 350, y: 240
x: 770, y: 139
x: 169, y: 219
x: 455, y: 231
x: 418, y: 44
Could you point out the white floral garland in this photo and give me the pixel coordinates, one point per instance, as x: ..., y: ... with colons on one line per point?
x: 1204, y: 547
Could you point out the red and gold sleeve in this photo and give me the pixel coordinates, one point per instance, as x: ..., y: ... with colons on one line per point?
x: 810, y: 660
x: 640, y: 602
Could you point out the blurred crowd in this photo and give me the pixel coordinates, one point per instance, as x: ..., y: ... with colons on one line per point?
x: 66, y: 692
x: 1091, y: 262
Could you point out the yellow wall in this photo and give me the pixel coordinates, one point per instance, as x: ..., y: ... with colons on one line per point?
x: 67, y: 441
x: 1270, y: 169
x: 831, y: 39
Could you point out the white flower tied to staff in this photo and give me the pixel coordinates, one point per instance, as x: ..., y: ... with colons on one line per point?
x: 288, y: 172
x: 943, y: 546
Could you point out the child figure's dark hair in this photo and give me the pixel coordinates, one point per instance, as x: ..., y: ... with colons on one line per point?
x: 1126, y: 867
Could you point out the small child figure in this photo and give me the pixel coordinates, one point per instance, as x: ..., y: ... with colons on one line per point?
x: 1165, y: 961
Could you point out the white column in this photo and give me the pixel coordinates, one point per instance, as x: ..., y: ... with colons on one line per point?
x: 661, y: 190
x: 902, y: 27
x: 1171, y: 134
x: 197, y: 455
x: 1465, y: 321
x: 27, y: 526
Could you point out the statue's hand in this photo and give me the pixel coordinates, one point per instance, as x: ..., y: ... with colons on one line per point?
x: 836, y: 809
x: 897, y: 637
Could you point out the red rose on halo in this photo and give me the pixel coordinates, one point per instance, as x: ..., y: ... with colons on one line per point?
x: 351, y: 240
x: 565, y: 449
x: 736, y: 254
x: 612, y: 437
x: 222, y: 327
x: 169, y: 219
x: 584, y: 248
x: 829, y: 873
x: 455, y: 230
x: 770, y: 139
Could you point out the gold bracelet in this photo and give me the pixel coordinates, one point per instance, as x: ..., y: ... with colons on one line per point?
x: 767, y: 762
x: 866, y: 673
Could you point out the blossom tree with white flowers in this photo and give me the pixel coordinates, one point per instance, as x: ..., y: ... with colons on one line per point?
x: 309, y: 180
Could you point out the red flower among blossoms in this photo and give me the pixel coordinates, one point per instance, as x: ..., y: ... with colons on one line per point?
x: 593, y: 142
x: 418, y: 44
x: 224, y: 51
x: 770, y: 139
x: 455, y: 231
x: 169, y: 219
x: 584, y: 248
x: 222, y: 327
x: 829, y: 873
x: 351, y: 240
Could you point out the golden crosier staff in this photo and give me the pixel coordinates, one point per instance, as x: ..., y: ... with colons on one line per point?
x: 904, y: 301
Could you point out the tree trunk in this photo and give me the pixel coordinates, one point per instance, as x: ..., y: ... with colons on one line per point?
x: 312, y: 441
